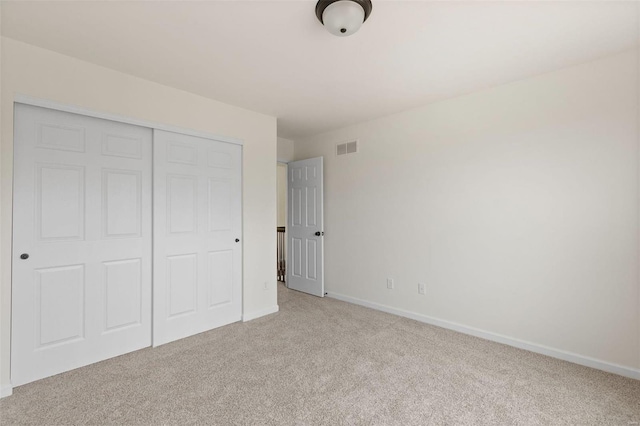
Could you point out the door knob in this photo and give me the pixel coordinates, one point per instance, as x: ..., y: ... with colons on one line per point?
x: 237, y: 240
x: 318, y: 233
x: 24, y: 256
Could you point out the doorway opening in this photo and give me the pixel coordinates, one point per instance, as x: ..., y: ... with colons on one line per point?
x: 281, y: 230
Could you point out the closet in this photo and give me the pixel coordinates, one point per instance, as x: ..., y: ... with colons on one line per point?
x: 124, y: 237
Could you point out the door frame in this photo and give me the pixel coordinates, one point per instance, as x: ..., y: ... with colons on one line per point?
x: 20, y: 98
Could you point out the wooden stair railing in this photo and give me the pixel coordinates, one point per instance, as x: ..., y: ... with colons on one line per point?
x: 281, y: 264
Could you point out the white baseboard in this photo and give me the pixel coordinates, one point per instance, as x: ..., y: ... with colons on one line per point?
x: 6, y: 390
x: 633, y: 373
x: 257, y: 314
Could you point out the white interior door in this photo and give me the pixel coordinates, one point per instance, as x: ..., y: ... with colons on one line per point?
x: 305, y: 268
x: 82, y: 215
x: 197, y: 235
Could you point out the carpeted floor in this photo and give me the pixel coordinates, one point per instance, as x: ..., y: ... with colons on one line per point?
x: 322, y: 361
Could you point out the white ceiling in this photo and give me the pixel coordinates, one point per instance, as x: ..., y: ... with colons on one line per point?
x: 274, y: 57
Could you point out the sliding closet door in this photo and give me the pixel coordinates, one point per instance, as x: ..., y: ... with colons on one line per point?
x: 81, y: 284
x: 197, y: 235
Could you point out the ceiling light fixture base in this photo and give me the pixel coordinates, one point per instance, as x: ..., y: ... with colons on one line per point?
x: 343, y: 17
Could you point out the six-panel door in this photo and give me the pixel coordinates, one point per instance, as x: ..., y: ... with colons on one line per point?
x: 82, y: 215
x: 197, y: 235
x: 305, y: 220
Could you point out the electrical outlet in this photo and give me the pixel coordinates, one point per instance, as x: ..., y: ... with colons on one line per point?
x: 389, y: 283
x: 422, y: 288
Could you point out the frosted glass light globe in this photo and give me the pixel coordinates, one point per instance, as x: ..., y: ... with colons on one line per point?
x: 343, y: 17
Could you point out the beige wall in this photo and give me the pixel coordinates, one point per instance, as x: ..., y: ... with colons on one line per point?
x: 517, y: 206
x: 36, y: 72
x: 285, y: 150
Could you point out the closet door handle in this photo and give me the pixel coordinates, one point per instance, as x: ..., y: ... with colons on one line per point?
x: 237, y: 240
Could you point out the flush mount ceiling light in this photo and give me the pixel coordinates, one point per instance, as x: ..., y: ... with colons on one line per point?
x: 343, y: 17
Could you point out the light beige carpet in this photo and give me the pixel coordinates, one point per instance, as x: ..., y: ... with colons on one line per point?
x: 321, y: 361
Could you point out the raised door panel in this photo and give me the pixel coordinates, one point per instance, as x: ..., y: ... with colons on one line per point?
x: 182, y: 206
x: 311, y: 195
x: 296, y: 206
x: 61, y: 137
x: 220, y: 278
x: 296, y: 174
x: 219, y: 160
x: 60, y: 202
x: 296, y: 257
x: 122, y: 203
x: 220, y: 207
x: 182, y: 275
x: 60, y: 305
x: 311, y: 172
x: 182, y: 154
x: 122, y: 293
x: 121, y: 146
x: 312, y: 251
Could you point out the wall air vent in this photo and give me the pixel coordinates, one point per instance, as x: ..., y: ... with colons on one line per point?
x: 347, y: 148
